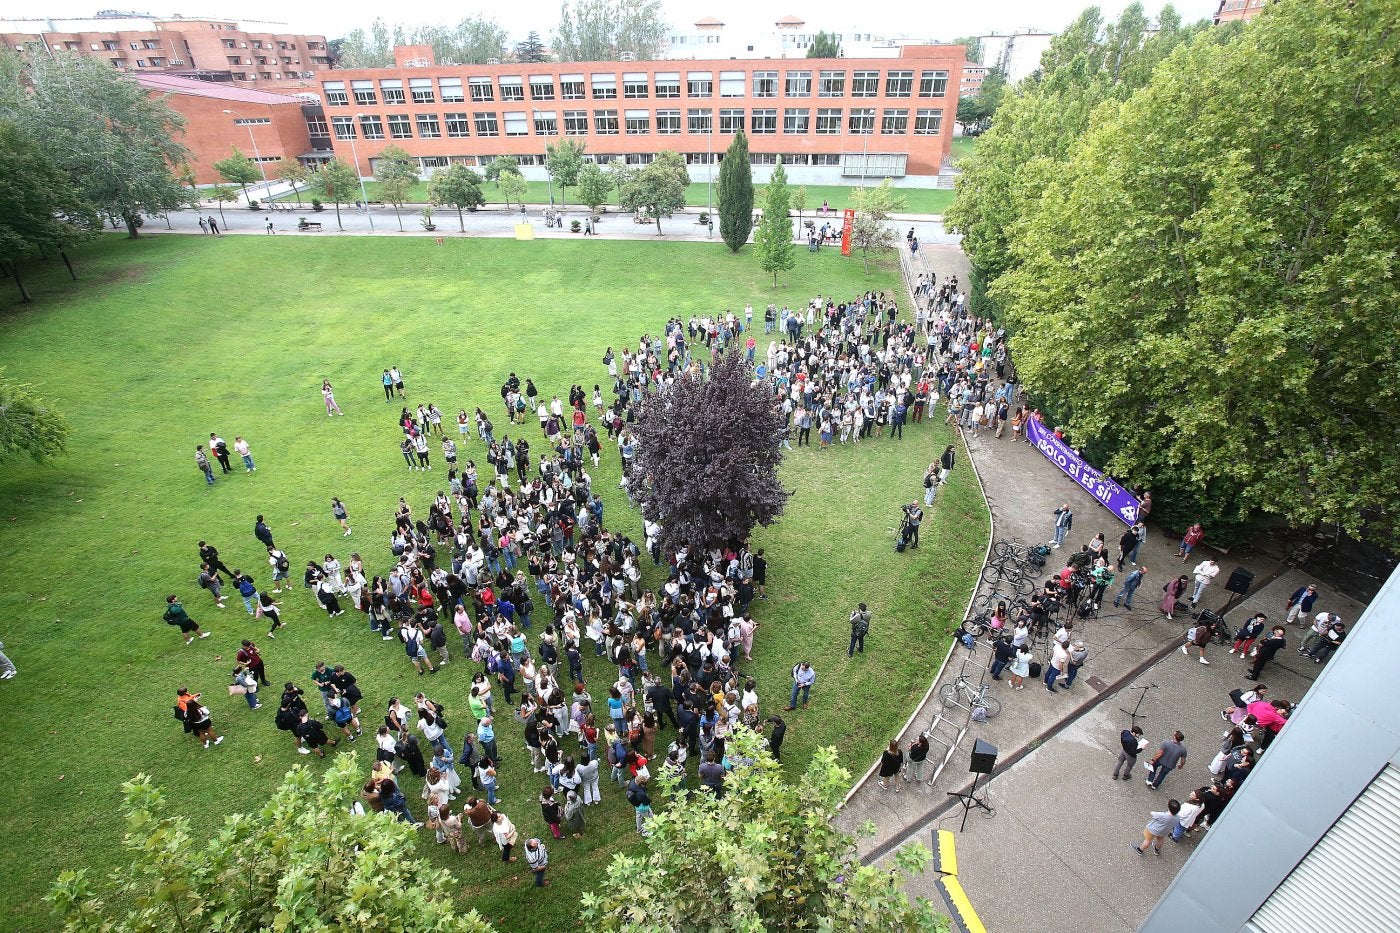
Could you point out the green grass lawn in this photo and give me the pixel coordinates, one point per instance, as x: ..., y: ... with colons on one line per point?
x: 168, y: 338
x: 962, y: 148
x: 918, y: 200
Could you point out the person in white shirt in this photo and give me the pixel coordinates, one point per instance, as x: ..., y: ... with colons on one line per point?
x: 1205, y: 572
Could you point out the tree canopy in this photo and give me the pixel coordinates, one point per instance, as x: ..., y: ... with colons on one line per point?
x: 457, y: 186
x: 658, y: 189
x: 872, y: 231
x: 736, y: 194
x: 601, y: 30
x: 530, y: 49
x: 294, y: 173
x: 773, y: 239
x: 824, y: 45
x: 564, y: 160
x: 28, y: 426
x: 1203, y: 290
x: 238, y: 169
x: 707, y: 456
x: 764, y: 857
x: 474, y: 40
x: 397, y: 173
x: 594, y: 186
x: 41, y: 210
x: 337, y: 182
x: 303, y: 862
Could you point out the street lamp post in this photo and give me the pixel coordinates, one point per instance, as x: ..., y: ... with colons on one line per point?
x: 354, y: 155
x: 535, y: 116
x: 267, y: 188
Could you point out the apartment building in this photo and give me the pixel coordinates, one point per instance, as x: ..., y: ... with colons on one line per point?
x: 825, y: 120
x: 1230, y: 10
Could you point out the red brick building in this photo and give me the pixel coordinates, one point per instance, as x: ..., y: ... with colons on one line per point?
x: 211, y: 49
x: 827, y: 120
x: 266, y: 127
x: 1238, y: 9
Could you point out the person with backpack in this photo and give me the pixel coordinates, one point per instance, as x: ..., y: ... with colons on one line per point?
x: 209, y: 580
x: 196, y: 717
x: 246, y: 589
x: 860, y: 627
x: 412, y: 638
x: 281, y: 567
x: 176, y: 615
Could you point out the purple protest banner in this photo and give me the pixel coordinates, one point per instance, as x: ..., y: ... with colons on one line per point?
x: 1111, y: 496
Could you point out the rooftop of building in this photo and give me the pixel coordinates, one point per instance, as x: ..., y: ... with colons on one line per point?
x: 172, y: 84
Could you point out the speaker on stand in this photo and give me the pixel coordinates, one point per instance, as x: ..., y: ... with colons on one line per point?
x: 1241, y: 578
x: 984, y: 761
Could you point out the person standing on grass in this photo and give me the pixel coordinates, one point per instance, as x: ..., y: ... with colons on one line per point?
x: 176, y: 615
x: 420, y: 448
x: 241, y: 447
x: 209, y: 580
x: 338, y: 510
x: 220, y: 451
x: 538, y: 859
x: 7, y: 667
x: 803, y: 677
x: 328, y: 396
x: 201, y: 460
x: 505, y: 834
x: 267, y: 608
x: 860, y: 627
x: 388, y: 382
x: 391, y: 798
x: 313, y: 736
x: 263, y: 533
x: 891, y: 763
x: 195, y: 715
x: 1064, y: 521
x: 1132, y: 744
x: 398, y: 381
x: 1163, y: 823
x: 244, y: 678
x: 208, y: 554
x: 1171, y: 756
x: 249, y: 657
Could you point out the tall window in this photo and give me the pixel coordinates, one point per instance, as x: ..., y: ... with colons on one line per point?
x: 605, y: 122
x: 364, y: 93
x: 575, y: 122
x: 894, y: 122
x: 731, y: 121
x: 638, y: 122
x: 796, y: 120
x: 486, y: 124
x: 392, y: 89
x: 571, y: 87
x: 344, y: 127
x: 933, y: 84
x: 512, y: 88
x: 899, y: 84
x: 731, y: 84
x: 316, y: 126
x: 765, y: 84
x: 546, y: 123
x: 457, y: 124
x: 799, y: 84
x: 862, y: 120
x: 605, y: 87
x: 371, y: 127
x: 668, y: 122
x: 516, y: 123
x: 541, y: 87
x: 697, y: 84
x: 399, y: 127
x: 634, y: 85
x: 335, y: 94
x: 764, y: 122
x: 428, y: 127
x: 421, y: 89
x: 928, y: 122
x: 832, y: 84
x: 701, y: 121
x: 451, y: 90
x: 865, y: 84
x: 481, y: 89
x: 828, y: 121
x: 668, y: 84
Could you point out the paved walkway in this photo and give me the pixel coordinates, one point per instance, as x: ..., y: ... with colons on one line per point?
x: 1053, y: 848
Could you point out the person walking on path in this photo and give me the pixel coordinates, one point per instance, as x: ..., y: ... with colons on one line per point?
x: 1133, y: 743
x: 1064, y: 521
x: 1129, y: 544
x: 1206, y: 571
x: 1171, y: 755
x: 891, y: 763
x: 802, y: 679
x: 1161, y: 824
x: 1193, y: 537
x: 538, y: 860
x: 1264, y: 652
x: 213, y: 225
x: 176, y: 615
x: 1173, y: 591
x: 1300, y: 604
x: 1130, y: 584
x: 201, y: 460
x: 860, y: 627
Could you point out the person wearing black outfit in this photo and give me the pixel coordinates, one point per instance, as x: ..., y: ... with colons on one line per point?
x: 262, y: 532
x: 1003, y: 653
x: 1131, y: 740
x: 659, y: 695
x: 1264, y: 652
x: 313, y: 734
x: 688, y: 724
x: 776, y: 736
x: 208, y: 554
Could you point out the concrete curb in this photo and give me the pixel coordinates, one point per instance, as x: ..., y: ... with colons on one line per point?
x: 967, y: 610
x: 1009, y: 761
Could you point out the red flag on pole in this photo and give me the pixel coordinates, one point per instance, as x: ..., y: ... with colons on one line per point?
x: 846, y: 229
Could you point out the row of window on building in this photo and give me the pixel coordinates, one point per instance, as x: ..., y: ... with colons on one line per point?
x: 830, y: 121
x: 642, y: 158
x: 638, y: 86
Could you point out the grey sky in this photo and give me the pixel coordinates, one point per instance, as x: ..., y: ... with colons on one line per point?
x: 941, y: 20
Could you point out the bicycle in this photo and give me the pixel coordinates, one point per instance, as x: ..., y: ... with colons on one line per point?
x: 962, y: 692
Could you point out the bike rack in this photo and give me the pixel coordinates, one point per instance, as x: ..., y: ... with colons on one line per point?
x: 948, y: 734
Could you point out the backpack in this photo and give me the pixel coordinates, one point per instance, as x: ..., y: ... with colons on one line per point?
x: 283, y: 564
x: 411, y: 647
x: 343, y: 714
x: 179, y: 713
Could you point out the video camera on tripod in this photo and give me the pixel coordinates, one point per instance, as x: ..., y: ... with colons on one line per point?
x: 907, y: 526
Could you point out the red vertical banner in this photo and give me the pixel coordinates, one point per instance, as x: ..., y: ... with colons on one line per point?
x: 846, y: 228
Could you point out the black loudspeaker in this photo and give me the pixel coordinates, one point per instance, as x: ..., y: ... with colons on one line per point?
x: 984, y: 758
x: 1239, y: 581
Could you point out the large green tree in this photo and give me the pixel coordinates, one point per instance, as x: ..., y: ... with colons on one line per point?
x: 594, y: 186
x: 531, y: 49
x: 772, y: 242
x: 764, y: 857
x: 28, y: 425
x: 295, y: 173
x: 338, y: 183
x: 238, y: 169
x: 117, y: 144
x: 824, y: 45
x: 1204, y: 292
x: 658, y: 189
x: 564, y: 160
x: 736, y: 194
x: 41, y: 210
x: 457, y: 186
x: 397, y: 173
x: 872, y: 232
x: 302, y: 862
x: 602, y: 30
x: 473, y: 40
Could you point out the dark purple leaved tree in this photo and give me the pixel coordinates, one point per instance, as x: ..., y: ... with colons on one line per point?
x: 707, y: 456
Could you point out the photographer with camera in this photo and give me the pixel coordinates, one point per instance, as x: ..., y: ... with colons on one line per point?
x: 909, y: 527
